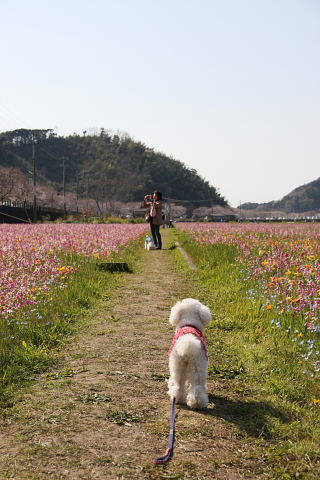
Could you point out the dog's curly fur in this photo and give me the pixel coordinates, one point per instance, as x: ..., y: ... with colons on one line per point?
x: 188, y: 363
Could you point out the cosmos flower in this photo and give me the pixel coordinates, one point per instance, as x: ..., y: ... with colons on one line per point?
x: 30, y: 260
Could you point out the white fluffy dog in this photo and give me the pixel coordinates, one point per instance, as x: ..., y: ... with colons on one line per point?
x: 149, y: 244
x: 188, y: 355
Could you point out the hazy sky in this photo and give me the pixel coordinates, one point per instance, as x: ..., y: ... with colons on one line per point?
x: 229, y: 87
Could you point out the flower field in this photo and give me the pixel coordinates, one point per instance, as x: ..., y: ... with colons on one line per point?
x: 31, y: 261
x: 280, y: 266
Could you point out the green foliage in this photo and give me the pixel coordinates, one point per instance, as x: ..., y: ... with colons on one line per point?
x: 94, y: 398
x: 160, y: 377
x: 107, y: 167
x: 124, y: 418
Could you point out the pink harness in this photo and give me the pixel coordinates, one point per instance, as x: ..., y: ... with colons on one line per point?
x: 190, y: 329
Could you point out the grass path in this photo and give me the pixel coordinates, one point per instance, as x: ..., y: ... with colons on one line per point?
x: 104, y: 413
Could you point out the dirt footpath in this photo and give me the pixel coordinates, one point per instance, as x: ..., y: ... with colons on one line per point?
x: 105, y: 412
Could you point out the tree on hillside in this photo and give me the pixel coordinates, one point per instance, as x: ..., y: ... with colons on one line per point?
x: 6, y: 185
x: 14, y: 185
x: 113, y: 167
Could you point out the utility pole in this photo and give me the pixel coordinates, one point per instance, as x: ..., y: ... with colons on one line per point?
x: 64, y: 185
x: 168, y: 212
x: 77, y: 193
x: 87, y: 191
x: 34, y: 181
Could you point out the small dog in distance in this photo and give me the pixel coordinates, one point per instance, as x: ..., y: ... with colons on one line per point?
x: 149, y: 244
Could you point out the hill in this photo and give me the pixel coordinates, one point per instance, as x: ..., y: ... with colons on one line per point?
x: 103, y: 166
x: 305, y: 198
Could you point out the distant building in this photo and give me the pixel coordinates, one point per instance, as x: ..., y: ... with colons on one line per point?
x: 221, y: 218
x: 139, y: 213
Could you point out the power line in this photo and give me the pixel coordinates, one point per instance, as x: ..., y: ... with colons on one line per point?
x: 208, y: 200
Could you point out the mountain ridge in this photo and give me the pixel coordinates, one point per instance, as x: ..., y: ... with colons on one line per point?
x: 304, y: 198
x: 104, y: 166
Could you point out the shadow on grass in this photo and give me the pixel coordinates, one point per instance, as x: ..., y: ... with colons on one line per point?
x: 258, y: 419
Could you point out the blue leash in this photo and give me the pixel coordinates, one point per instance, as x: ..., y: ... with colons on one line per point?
x: 169, y: 452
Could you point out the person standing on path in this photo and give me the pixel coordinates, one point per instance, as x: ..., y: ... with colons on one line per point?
x: 155, y: 206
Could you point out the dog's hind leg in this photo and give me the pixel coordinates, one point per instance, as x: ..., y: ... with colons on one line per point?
x: 176, y: 383
x: 197, y: 395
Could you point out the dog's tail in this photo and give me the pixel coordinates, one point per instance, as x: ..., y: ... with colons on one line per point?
x: 188, y: 346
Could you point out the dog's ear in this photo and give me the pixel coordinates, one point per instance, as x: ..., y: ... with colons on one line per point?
x: 175, y: 314
x: 205, y: 314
